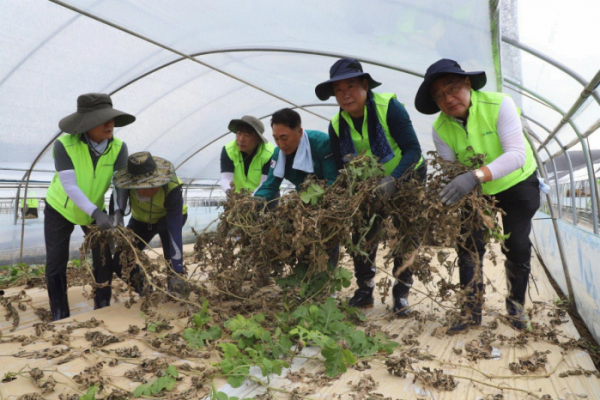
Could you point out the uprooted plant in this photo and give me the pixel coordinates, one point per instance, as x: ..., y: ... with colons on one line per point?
x: 292, y: 242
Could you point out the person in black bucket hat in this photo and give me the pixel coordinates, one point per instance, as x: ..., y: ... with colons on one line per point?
x: 476, y: 122
x: 85, y: 160
x: 391, y: 138
x: 156, y: 198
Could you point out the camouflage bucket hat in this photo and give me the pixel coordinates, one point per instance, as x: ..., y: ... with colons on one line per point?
x: 144, y: 171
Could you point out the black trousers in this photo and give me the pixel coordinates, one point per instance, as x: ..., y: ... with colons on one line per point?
x: 57, y: 235
x: 364, y: 266
x: 520, y: 203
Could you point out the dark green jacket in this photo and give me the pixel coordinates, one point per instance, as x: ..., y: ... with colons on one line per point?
x: 323, y: 164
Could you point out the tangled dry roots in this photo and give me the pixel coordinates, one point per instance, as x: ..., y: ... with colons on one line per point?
x: 254, y: 242
x: 154, y: 272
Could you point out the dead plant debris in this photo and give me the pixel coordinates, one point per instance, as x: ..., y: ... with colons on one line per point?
x: 255, y: 246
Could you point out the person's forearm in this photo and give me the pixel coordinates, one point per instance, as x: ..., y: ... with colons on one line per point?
x: 122, y: 195
x: 174, y: 227
x: 68, y: 179
x: 408, y: 161
x: 512, y: 140
x: 268, y: 189
x: 263, y: 178
x: 226, y: 179
x: 335, y: 148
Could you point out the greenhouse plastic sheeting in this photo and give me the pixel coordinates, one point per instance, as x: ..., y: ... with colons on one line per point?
x: 51, y: 54
x: 564, y: 32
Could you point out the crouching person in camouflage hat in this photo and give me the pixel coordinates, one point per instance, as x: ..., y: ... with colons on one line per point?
x: 156, y: 200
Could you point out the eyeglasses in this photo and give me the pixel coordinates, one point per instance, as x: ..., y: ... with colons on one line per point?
x: 451, y: 91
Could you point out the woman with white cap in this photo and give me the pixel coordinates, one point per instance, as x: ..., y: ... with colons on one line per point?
x: 85, y: 160
x: 476, y: 122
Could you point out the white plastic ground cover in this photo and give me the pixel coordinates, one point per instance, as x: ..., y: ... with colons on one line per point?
x: 51, y: 54
x: 581, y: 254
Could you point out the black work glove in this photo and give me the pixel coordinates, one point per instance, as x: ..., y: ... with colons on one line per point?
x: 386, y: 187
x: 458, y: 187
x: 103, y: 221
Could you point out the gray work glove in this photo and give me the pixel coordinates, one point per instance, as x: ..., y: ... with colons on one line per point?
x: 119, y: 218
x: 458, y: 187
x: 386, y: 187
x: 103, y: 221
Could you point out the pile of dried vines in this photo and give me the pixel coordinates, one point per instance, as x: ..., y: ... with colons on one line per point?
x: 254, y: 243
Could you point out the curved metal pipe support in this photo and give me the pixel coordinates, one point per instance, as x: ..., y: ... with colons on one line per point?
x: 559, y: 241
x: 558, y: 194
x: 572, y: 178
x: 587, y: 91
x: 552, y: 62
x: 210, y: 195
x: 586, y: 152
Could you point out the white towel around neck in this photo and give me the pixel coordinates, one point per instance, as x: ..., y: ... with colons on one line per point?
x: 302, y: 161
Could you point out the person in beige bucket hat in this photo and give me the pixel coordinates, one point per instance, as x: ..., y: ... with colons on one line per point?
x: 85, y: 160
x: 245, y: 160
x: 156, y: 200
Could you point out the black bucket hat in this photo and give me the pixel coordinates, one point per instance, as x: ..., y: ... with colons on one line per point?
x: 93, y: 109
x: 424, y: 101
x: 344, y: 68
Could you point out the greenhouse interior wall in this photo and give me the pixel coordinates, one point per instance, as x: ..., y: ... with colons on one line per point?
x: 185, y: 69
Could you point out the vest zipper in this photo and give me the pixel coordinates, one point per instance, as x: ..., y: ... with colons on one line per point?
x: 464, y: 127
x: 66, y: 201
x: 103, y: 153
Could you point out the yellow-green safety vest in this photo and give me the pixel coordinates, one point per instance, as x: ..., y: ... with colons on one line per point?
x: 264, y: 151
x: 481, y: 135
x: 361, y: 142
x: 31, y: 203
x: 93, y: 182
x: 153, y: 210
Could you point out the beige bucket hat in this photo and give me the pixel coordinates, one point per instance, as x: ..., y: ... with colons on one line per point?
x: 254, y: 122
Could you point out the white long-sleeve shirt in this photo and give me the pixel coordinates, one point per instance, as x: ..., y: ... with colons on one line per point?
x: 510, y: 133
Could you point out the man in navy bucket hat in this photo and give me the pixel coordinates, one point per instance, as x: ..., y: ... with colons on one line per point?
x: 383, y: 121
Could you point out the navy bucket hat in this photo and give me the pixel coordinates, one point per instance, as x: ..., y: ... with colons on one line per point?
x: 424, y: 101
x: 344, y: 68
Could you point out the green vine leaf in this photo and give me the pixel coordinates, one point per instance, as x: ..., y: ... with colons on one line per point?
x: 337, y: 360
x: 166, y: 383
x: 312, y: 194
x: 90, y: 394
